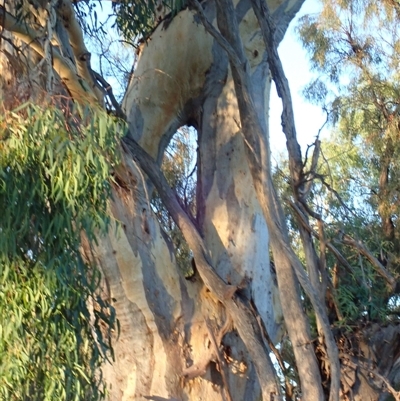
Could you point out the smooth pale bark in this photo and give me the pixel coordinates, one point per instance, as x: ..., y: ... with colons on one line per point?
x: 173, y: 86
x: 166, y: 323
x: 164, y: 346
x: 229, y: 214
x: 258, y: 156
x: 313, y: 286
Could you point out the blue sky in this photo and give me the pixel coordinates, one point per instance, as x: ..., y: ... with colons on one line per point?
x: 308, y: 118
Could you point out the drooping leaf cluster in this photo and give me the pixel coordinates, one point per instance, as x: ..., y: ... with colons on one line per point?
x: 54, y: 189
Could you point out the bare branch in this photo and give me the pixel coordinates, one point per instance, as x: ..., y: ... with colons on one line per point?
x: 338, y: 197
x: 282, y: 86
x: 322, y: 258
x: 313, y: 169
x: 108, y: 89
x: 341, y: 259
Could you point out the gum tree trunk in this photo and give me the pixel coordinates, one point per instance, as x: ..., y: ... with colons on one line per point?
x: 192, y: 84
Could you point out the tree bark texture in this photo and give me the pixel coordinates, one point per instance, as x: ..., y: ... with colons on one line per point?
x: 173, y: 86
x: 164, y: 350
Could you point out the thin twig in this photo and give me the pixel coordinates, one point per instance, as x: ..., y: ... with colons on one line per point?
x: 357, y: 244
x: 341, y: 259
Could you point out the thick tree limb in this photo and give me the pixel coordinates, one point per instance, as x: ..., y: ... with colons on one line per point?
x: 282, y: 86
x: 108, y: 90
x: 258, y: 157
x: 66, y: 11
x: 296, y: 169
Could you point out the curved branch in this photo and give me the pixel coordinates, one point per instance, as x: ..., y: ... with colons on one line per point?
x: 77, y: 86
x: 108, y: 90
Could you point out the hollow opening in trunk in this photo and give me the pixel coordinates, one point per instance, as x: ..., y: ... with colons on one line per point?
x: 179, y: 165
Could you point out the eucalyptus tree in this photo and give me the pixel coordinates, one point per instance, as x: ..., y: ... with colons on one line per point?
x: 208, y: 65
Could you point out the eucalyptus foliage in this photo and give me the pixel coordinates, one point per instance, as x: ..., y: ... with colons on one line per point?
x: 356, y: 45
x: 137, y: 19
x: 54, y: 188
